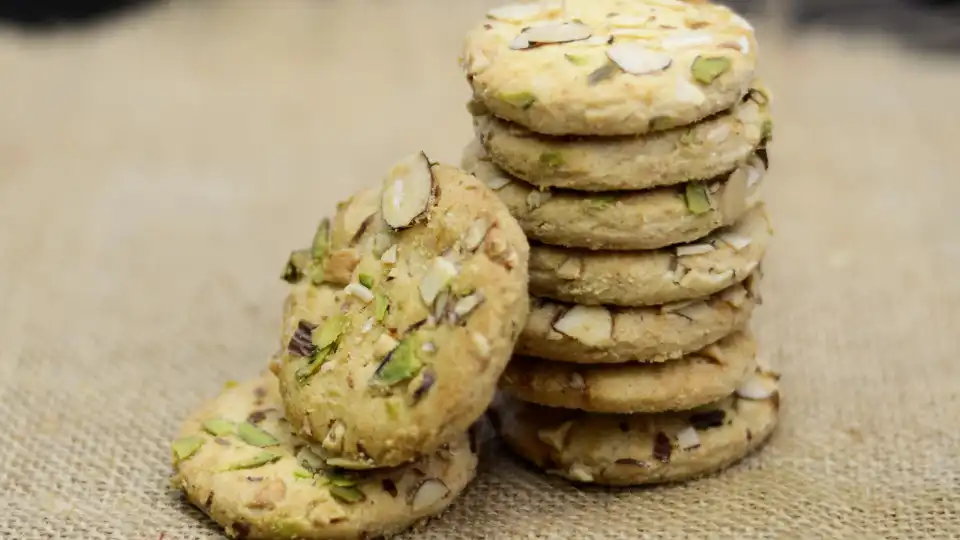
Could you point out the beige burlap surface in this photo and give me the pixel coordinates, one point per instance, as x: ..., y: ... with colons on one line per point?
x: 155, y: 171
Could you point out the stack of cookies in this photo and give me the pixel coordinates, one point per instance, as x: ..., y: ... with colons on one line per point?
x: 628, y: 138
x: 401, y: 318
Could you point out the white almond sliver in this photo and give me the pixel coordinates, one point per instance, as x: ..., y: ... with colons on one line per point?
x: 590, y: 325
x: 390, y: 255
x: 686, y: 39
x: 694, y: 249
x: 359, y: 291
x: 557, y: 33
x: 688, y: 439
x: 735, y: 240
x: 441, y: 272
x: 637, y: 59
x: 756, y: 387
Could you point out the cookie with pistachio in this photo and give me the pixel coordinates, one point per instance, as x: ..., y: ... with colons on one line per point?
x: 622, y: 220
x: 406, y: 355
x: 712, y: 147
x: 613, y: 335
x: 645, y: 278
x: 609, y: 67
x: 641, y: 448
x: 693, y: 380
x: 237, y: 461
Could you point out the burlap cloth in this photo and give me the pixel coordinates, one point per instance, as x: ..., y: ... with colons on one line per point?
x: 155, y: 171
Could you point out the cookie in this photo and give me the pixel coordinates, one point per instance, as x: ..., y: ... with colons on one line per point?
x: 237, y: 461
x: 622, y: 220
x: 644, y: 278
x: 698, y: 378
x: 611, y: 335
x: 634, y: 449
x: 712, y: 147
x: 410, y: 352
x: 609, y: 67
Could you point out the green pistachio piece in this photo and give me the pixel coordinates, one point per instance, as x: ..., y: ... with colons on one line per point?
x: 255, y: 436
x: 551, y: 159
x: 392, y: 411
x: 602, y: 73
x: 340, y: 480
x: 297, y: 266
x: 366, y: 280
x: 302, y: 474
x: 219, y: 426
x: 186, y: 447
x: 400, y: 365
x: 347, y: 495
x: 313, y: 365
x: 767, y: 130
x: 705, y: 69
x: 477, y: 108
x: 253, y: 462
x: 316, y: 275
x: 523, y: 100
x: 380, y: 305
x: 329, y: 331
x: 577, y: 59
x: 659, y: 123
x: 321, y: 241
x: 698, y: 201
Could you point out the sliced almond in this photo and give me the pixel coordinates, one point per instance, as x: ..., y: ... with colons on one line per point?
x: 676, y: 306
x: 564, y: 32
x: 408, y: 191
x: 481, y: 343
x: 519, y: 43
x: 496, y: 182
x: 599, y: 40
x: 757, y: 387
x: 571, y: 268
x: 467, y: 304
x: 636, y: 59
x: 577, y: 382
x: 590, y: 325
x: 683, y: 40
x: 390, y: 255
x: 515, y: 12
x: 687, y: 438
x: 428, y: 493
x: 735, y: 240
x: 555, y: 437
x: 536, y: 198
x: 715, y: 353
x: 359, y: 291
x: 333, y: 442
x: 476, y: 233
x: 627, y: 21
x: 367, y: 325
x: 438, y: 276
x: 735, y: 295
x: 694, y: 249
x: 384, y: 344
x: 580, y: 472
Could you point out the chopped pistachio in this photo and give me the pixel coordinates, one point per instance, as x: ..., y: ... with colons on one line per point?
x: 252, y: 434
x: 253, y: 462
x: 321, y: 241
x: 577, y: 59
x: 186, y: 447
x: 767, y: 130
x: 229, y: 384
x: 313, y: 365
x: 347, y: 495
x: 551, y: 159
x: 309, y: 459
x: 366, y: 280
x: 329, y: 332
x: 302, y: 473
x: 219, y: 426
x: 523, y: 100
x: 380, y: 305
x: 400, y: 365
x: 602, y: 73
x: 340, y: 480
x: 392, y: 409
x: 317, y: 275
x: 659, y: 123
x: 296, y: 266
x: 706, y: 69
x: 698, y: 201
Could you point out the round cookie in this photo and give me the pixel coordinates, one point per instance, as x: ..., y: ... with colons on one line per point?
x: 644, y: 278
x: 698, y: 378
x: 709, y: 148
x: 607, y: 335
x: 237, y: 461
x: 634, y: 449
x: 609, y: 67
x: 622, y: 220
x: 410, y: 354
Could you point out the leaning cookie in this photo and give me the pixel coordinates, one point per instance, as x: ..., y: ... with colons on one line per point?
x: 698, y: 378
x: 622, y: 220
x: 610, y: 335
x: 609, y: 67
x: 644, y: 278
x: 409, y: 353
x: 707, y: 149
x: 237, y: 461
x: 635, y: 449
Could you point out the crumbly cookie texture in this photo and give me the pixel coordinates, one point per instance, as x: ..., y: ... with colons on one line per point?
x: 634, y: 449
x: 406, y: 355
x: 709, y: 148
x: 237, y: 461
x: 609, y: 67
x: 623, y: 220
x: 696, y: 379
x: 612, y: 335
x: 644, y: 278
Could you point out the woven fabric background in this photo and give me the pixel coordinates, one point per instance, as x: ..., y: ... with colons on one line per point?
x: 155, y: 171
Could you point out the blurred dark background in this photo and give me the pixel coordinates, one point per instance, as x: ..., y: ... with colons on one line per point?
x: 928, y: 24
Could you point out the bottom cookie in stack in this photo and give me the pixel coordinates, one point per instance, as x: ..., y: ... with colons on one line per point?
x: 642, y: 448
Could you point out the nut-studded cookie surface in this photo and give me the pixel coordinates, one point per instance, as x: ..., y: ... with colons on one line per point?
x: 609, y: 67
x: 237, y: 461
x: 408, y: 355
